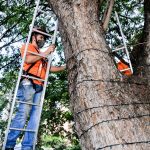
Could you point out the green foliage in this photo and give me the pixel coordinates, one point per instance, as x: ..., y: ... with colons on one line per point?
x: 2, y: 128
x: 15, y: 19
x: 131, y: 18
x: 59, y: 143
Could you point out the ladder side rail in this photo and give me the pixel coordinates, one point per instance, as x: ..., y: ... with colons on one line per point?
x: 124, y: 42
x: 19, y: 76
x: 55, y: 32
x: 45, y: 84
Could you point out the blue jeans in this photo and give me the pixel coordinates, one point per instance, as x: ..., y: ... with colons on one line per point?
x: 26, y: 93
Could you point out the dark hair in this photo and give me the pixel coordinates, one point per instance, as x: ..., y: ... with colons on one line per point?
x: 36, y: 33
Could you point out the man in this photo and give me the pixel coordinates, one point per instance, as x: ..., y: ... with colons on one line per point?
x: 30, y: 92
x: 123, y: 66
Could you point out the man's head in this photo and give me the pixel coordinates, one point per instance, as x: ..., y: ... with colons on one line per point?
x: 38, y: 38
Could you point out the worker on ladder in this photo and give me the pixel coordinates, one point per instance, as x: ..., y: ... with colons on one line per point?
x: 30, y: 90
x: 122, y: 65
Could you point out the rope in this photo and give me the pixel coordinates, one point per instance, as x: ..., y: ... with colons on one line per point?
x: 129, y: 45
x: 126, y: 143
x: 88, y: 49
x: 108, y: 81
x: 116, y: 105
x: 111, y: 120
x: 137, y: 44
x: 96, y: 49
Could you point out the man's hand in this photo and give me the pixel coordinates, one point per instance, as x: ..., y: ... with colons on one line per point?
x: 33, y: 58
x: 50, y: 49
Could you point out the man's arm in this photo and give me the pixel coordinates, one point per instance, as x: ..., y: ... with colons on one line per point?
x: 31, y: 58
x: 55, y: 69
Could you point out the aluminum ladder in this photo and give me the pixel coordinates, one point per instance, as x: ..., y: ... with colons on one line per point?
x: 124, y: 48
x: 31, y: 77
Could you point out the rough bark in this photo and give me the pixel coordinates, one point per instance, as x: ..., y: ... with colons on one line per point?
x: 145, y: 61
x: 141, y: 53
x: 109, y: 113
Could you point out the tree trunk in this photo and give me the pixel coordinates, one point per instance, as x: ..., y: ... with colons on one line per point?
x: 141, y: 52
x: 109, y: 113
x: 145, y: 61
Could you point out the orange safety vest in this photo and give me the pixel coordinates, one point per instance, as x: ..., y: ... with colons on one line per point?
x: 39, y: 67
x: 122, y: 66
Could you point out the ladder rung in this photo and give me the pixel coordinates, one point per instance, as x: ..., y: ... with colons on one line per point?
x: 28, y: 103
x: 41, y: 32
x: 125, y: 69
x: 37, y: 54
x: 31, y: 77
x: 17, y: 129
x: 117, y: 49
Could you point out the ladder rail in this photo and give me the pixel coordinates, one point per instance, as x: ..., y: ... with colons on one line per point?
x: 124, y: 42
x: 19, y: 76
x: 45, y: 84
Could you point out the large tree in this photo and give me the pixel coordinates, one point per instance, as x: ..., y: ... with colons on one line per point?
x: 109, y: 113
x: 15, y: 18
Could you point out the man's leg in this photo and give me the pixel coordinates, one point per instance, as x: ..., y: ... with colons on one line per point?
x: 25, y: 93
x: 27, y: 143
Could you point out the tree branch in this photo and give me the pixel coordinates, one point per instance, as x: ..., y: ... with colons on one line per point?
x: 11, y: 62
x: 100, y: 2
x: 60, y: 5
x: 107, y: 14
x: 12, y: 41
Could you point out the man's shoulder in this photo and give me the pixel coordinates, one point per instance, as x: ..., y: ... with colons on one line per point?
x: 30, y: 47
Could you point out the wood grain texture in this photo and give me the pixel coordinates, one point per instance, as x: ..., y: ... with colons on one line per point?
x: 108, y: 112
